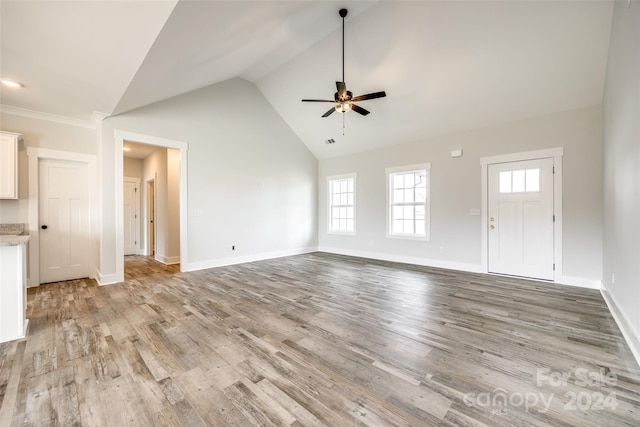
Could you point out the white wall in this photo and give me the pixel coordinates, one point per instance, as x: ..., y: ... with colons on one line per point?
x: 40, y: 134
x: 163, y: 166
x: 133, y: 167
x: 252, y: 183
x: 172, y: 251
x: 622, y: 172
x: 455, y: 189
x: 155, y: 167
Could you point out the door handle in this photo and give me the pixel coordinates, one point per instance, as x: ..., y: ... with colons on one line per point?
x: 44, y: 227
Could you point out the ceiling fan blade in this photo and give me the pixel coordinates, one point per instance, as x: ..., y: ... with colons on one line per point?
x: 328, y: 113
x: 359, y: 110
x: 317, y: 100
x: 342, y: 90
x: 369, y: 96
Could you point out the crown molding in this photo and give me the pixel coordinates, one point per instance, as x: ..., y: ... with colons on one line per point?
x: 92, y: 123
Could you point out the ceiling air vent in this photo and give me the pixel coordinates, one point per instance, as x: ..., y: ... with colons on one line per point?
x: 330, y: 141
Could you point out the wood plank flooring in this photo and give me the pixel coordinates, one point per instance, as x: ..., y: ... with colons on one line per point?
x: 317, y: 340
x: 136, y: 266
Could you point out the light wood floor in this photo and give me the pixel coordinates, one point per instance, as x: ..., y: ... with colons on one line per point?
x: 138, y: 266
x: 314, y: 340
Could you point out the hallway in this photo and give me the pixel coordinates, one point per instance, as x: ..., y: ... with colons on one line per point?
x: 138, y: 266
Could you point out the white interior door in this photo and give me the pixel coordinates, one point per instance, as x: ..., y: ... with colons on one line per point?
x: 64, y: 216
x: 130, y: 210
x: 520, y: 218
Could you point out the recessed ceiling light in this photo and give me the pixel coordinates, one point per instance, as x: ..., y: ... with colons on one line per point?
x: 126, y: 149
x: 11, y: 83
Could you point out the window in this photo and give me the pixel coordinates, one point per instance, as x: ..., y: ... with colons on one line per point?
x: 520, y: 181
x: 342, y: 204
x: 409, y: 201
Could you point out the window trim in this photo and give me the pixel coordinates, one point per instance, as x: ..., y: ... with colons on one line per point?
x: 427, y: 204
x: 331, y: 178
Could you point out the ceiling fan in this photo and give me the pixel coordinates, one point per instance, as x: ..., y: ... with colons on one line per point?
x: 343, y: 98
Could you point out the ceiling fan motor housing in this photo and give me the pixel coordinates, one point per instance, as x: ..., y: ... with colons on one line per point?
x: 348, y: 96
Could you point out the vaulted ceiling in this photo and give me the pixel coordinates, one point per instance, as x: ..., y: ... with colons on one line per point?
x: 446, y: 66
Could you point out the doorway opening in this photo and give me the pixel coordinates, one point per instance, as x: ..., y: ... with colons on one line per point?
x: 158, y: 231
x: 522, y: 214
x: 88, y: 236
x: 161, y: 166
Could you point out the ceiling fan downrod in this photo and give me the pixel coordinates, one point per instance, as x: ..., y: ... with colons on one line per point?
x: 343, y: 14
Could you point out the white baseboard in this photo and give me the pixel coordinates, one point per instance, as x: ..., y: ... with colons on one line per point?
x: 221, y: 262
x: 107, y: 279
x: 167, y: 260
x: 579, y: 282
x: 449, y: 265
x: 631, y: 336
x: 427, y: 262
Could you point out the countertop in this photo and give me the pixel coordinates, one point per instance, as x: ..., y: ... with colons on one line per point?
x: 10, y: 240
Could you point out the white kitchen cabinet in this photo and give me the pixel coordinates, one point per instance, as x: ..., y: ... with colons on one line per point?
x: 9, y: 165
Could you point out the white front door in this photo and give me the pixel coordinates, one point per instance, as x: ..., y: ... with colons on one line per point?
x: 130, y: 210
x: 64, y: 217
x: 520, y: 218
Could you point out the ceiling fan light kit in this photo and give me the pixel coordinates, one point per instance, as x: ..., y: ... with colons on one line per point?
x: 343, y: 98
x: 343, y: 107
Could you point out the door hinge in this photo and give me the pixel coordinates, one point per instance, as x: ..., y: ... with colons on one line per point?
x: 135, y: 190
x: 554, y: 218
x: 554, y: 267
x: 135, y: 243
x: 553, y: 169
x: 135, y: 217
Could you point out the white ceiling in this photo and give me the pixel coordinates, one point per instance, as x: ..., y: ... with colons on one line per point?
x: 75, y: 57
x: 446, y: 66
x: 138, y: 150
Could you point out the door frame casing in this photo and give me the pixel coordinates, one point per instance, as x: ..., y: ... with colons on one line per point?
x: 556, y: 154
x: 34, y: 155
x: 150, y: 227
